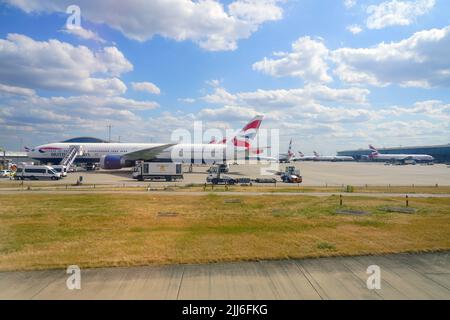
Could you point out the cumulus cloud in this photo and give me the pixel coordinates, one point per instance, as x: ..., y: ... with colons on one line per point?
x: 146, y: 86
x: 220, y: 96
x: 230, y: 113
x: 256, y: 11
x: 11, y: 90
x: 307, y: 61
x: 284, y: 98
x: 85, y: 34
x: 419, y: 61
x: 355, y: 29
x: 56, y: 65
x: 208, y: 23
x: 433, y: 109
x: 54, y: 118
x: 313, y: 103
x: 397, y: 13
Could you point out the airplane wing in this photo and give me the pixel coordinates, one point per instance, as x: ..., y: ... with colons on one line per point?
x: 147, y: 154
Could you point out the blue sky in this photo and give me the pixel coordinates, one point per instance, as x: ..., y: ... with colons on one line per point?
x: 331, y: 74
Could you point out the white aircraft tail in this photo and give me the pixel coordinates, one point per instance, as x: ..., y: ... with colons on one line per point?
x: 374, y: 150
x: 290, y: 153
x: 248, y: 133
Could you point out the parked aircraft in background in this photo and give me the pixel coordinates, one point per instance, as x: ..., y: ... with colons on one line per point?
x: 302, y: 157
x: 318, y: 157
x: 119, y: 155
x: 286, y: 157
x: 402, y: 158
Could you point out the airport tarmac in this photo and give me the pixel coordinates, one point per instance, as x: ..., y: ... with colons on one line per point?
x: 403, y: 276
x: 314, y: 174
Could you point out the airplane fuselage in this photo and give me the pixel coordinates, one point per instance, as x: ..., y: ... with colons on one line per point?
x: 93, y: 152
x: 402, y: 157
x: 333, y: 158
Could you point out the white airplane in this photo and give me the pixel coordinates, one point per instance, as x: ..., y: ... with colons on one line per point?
x: 318, y: 157
x: 375, y: 155
x: 302, y: 157
x: 286, y: 157
x: 120, y: 155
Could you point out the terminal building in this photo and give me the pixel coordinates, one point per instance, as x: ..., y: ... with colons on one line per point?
x: 441, y: 153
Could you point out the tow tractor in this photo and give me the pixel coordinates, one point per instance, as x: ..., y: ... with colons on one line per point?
x: 291, y: 175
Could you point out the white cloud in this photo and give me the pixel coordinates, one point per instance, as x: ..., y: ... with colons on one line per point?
x: 433, y: 109
x: 214, y: 83
x: 208, y: 23
x: 227, y: 113
x: 85, y: 34
x: 146, y: 86
x: 220, y: 96
x: 56, y: 65
x: 11, y: 90
x: 307, y: 61
x: 397, y: 13
x: 349, y: 3
x: 256, y: 11
x: 355, y: 29
x: 419, y: 61
x: 407, y: 131
x: 187, y: 100
x: 285, y: 98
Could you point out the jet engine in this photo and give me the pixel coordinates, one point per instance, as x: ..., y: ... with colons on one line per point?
x: 114, y: 162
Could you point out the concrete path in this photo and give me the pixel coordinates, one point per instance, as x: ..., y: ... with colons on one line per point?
x: 404, y: 276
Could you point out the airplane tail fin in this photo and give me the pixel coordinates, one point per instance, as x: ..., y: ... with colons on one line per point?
x: 316, y: 154
x: 249, y: 132
x: 373, y: 149
x: 301, y: 154
x: 290, y: 153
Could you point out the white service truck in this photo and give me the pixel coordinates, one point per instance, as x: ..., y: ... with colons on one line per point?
x: 158, y: 171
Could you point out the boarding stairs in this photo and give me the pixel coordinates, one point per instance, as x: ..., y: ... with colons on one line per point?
x: 71, y: 155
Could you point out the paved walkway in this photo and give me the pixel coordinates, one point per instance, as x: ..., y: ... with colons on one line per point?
x: 404, y: 276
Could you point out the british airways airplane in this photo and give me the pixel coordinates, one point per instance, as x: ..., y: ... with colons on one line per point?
x: 375, y: 155
x: 318, y: 157
x: 120, y: 155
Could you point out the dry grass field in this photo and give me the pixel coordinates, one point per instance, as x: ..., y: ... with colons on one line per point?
x: 40, y: 231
